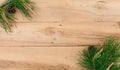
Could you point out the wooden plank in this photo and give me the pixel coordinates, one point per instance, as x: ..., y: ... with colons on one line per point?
x: 108, y: 10
x: 82, y: 10
x: 70, y: 33
x: 62, y: 10
x: 59, y: 10
x: 87, y: 10
x: 39, y: 58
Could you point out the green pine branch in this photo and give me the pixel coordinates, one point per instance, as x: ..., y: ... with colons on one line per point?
x: 4, y: 21
x: 24, y: 6
x: 115, y: 67
x: 103, y: 57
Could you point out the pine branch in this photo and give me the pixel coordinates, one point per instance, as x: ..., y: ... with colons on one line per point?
x: 4, y: 22
x: 101, y: 58
x: 9, y: 7
x: 115, y: 67
x: 24, y: 6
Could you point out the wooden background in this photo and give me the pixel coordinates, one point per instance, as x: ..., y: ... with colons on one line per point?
x: 58, y: 30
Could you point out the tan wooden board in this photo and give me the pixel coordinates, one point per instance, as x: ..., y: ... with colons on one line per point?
x: 82, y: 10
x: 68, y: 33
x: 39, y: 58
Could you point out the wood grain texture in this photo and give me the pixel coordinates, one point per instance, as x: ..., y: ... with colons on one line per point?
x: 87, y: 10
x: 39, y: 58
x: 59, y: 34
x: 65, y: 23
x: 58, y: 30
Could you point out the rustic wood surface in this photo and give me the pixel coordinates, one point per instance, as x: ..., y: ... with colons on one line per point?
x: 65, y: 23
x: 57, y: 31
x: 39, y: 58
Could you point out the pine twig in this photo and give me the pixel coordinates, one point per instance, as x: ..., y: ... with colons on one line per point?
x: 8, y: 8
x: 103, y: 57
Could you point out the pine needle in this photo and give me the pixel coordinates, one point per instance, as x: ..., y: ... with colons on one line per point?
x: 102, y: 58
x: 24, y: 6
x: 115, y: 67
